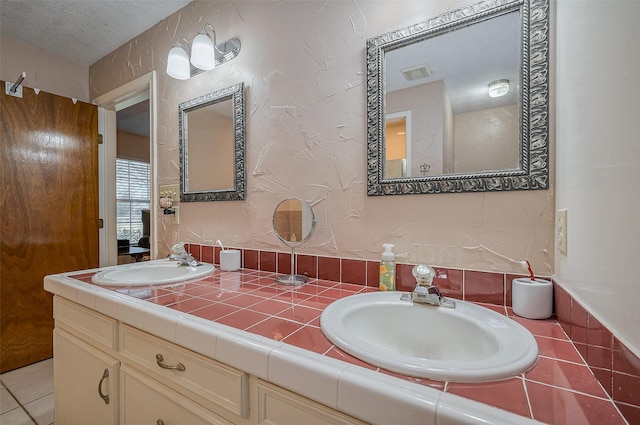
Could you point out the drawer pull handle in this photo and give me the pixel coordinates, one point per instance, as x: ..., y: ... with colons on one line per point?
x: 104, y: 397
x: 160, y: 422
x: 177, y: 366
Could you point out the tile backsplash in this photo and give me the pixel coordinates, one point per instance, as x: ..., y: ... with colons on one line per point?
x: 486, y: 287
x: 614, y: 365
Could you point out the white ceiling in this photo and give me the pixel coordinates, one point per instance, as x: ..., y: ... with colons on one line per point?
x: 466, y: 60
x: 82, y: 31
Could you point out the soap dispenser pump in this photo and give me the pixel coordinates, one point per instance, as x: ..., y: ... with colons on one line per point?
x: 388, y: 269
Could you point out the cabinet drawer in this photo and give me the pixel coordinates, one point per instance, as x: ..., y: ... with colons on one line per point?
x: 90, y: 325
x: 202, y: 379
x: 277, y: 406
x: 145, y: 401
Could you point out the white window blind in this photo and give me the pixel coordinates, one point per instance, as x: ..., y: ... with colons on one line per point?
x: 133, y: 194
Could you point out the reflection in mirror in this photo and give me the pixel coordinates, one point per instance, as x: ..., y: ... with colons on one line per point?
x: 210, y: 165
x: 398, y: 152
x: 212, y: 144
x: 459, y: 103
x: 293, y: 223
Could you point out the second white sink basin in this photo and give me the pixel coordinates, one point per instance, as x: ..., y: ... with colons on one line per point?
x: 150, y: 273
x: 468, y: 343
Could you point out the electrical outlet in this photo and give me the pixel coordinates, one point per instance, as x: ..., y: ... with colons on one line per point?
x: 561, y: 230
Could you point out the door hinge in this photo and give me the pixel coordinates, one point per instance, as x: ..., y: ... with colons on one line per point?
x: 100, y: 223
x: 100, y: 139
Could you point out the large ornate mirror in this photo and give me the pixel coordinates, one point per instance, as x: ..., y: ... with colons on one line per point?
x: 459, y: 103
x: 212, y: 145
x: 293, y: 223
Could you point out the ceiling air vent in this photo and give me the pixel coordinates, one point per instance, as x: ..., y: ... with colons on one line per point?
x: 416, y: 72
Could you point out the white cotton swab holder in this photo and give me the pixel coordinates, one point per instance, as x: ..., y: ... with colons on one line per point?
x: 532, y: 299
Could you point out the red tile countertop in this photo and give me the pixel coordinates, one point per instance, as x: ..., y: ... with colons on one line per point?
x: 559, y: 390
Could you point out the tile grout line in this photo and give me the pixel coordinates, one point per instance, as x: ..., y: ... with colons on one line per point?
x: 21, y: 406
x: 32, y: 401
x: 606, y: 398
x: 563, y: 360
x: 526, y: 394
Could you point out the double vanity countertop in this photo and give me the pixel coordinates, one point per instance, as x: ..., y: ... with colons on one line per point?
x: 248, y: 321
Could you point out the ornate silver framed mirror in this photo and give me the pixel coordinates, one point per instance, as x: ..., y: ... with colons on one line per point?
x: 212, y: 146
x: 459, y: 103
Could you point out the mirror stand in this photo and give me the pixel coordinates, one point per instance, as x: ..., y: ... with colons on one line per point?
x: 293, y: 279
x: 293, y: 223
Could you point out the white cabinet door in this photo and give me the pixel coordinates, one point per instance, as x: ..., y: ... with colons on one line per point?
x: 147, y: 401
x: 86, y: 382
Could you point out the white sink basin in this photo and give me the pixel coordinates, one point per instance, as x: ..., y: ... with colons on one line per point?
x: 467, y: 343
x: 150, y: 273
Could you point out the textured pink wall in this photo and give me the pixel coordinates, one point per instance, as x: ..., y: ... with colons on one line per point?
x: 303, y: 64
x: 45, y: 71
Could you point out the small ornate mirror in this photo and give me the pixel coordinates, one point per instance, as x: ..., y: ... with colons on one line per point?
x: 459, y: 103
x: 212, y: 144
x: 293, y: 223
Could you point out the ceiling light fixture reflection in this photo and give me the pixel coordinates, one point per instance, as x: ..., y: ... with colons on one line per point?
x: 498, y: 88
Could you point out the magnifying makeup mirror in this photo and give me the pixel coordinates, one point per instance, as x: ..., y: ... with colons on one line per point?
x: 293, y: 223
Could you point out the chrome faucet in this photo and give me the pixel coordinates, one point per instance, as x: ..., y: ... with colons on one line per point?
x: 179, y: 254
x: 425, y: 291
x: 186, y: 260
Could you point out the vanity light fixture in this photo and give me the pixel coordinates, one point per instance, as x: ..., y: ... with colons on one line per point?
x: 498, y: 88
x: 202, y: 55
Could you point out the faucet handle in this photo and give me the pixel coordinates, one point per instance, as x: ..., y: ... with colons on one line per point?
x: 424, y: 274
x: 178, y: 248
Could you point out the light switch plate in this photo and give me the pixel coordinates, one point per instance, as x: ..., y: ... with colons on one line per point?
x: 176, y: 216
x: 561, y: 230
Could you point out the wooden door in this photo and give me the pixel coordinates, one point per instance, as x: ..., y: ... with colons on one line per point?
x: 48, y: 213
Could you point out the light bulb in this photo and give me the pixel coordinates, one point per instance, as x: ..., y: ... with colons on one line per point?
x: 202, y: 52
x: 178, y: 63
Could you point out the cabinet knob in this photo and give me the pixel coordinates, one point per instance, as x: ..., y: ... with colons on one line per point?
x: 162, y: 364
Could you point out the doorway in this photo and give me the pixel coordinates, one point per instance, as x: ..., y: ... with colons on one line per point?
x: 136, y: 92
x: 397, y: 161
x: 133, y: 183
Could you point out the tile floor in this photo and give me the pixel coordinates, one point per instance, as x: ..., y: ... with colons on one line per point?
x: 26, y: 395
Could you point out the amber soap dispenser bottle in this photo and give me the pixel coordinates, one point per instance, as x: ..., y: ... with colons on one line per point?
x: 388, y: 269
